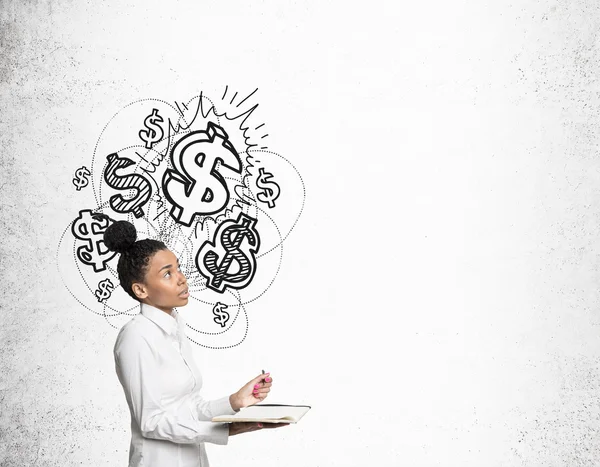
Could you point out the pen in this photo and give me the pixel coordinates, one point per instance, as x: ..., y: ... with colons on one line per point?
x: 263, y: 374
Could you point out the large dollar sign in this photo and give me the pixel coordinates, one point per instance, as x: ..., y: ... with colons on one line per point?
x: 104, y: 291
x: 154, y: 132
x: 217, y: 263
x: 270, y: 189
x: 196, y: 187
x: 221, y: 316
x: 91, y: 229
x: 124, y: 182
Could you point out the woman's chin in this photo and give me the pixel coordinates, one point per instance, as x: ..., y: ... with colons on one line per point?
x: 184, y: 296
x: 183, y: 300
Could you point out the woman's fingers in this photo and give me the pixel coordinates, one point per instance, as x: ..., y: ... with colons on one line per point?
x: 251, y: 426
x: 262, y: 385
x: 261, y: 393
x: 259, y: 378
x: 261, y: 388
x: 243, y: 427
x: 274, y: 425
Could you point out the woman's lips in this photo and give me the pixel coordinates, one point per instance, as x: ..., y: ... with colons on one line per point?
x: 185, y: 294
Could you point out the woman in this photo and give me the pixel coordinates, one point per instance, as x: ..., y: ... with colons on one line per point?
x: 170, y: 421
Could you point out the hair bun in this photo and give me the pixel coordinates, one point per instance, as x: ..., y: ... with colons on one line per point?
x: 119, y: 236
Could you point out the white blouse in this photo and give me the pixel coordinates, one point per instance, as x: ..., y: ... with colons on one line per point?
x: 170, y: 421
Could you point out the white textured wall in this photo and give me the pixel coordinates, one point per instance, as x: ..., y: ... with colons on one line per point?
x: 438, y: 300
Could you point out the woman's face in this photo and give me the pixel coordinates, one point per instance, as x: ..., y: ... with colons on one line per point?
x: 165, y: 286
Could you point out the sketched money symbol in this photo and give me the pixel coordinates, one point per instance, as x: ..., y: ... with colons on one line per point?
x: 221, y: 316
x: 105, y: 289
x: 195, y: 186
x: 81, y: 178
x: 270, y: 189
x: 91, y: 229
x: 124, y: 182
x: 153, y: 132
x: 232, y: 263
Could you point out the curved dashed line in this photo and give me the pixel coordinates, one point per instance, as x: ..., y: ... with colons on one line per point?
x: 63, y: 280
x: 106, y: 317
x: 138, y: 164
x: 278, y: 232
x: 280, y: 244
x: 301, y: 181
x: 76, y: 261
x: 172, y: 228
x: 106, y: 126
x: 239, y: 307
x: 226, y: 346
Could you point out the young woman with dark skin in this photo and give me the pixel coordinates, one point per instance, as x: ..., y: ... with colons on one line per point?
x: 150, y: 273
x: 165, y: 288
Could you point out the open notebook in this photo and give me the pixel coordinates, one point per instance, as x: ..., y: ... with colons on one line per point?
x: 267, y: 413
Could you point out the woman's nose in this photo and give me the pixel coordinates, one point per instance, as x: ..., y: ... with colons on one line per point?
x: 182, y: 278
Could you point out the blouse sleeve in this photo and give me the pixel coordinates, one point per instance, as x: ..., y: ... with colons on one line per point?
x: 185, y: 421
x: 207, y: 409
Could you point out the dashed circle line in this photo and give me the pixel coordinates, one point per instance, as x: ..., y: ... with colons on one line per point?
x: 106, y: 126
x: 239, y: 307
x: 225, y: 346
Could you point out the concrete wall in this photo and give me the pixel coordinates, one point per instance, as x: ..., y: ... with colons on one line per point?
x: 437, y: 303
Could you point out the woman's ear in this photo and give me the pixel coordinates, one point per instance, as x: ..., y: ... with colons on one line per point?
x: 139, y: 290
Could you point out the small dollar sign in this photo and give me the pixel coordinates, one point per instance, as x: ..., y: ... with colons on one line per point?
x: 81, y: 178
x: 271, y: 189
x: 91, y: 229
x: 215, y: 263
x: 154, y: 132
x: 105, y: 288
x: 221, y: 316
x: 196, y: 186
x: 123, y: 182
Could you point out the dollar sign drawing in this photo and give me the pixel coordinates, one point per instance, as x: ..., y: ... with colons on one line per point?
x: 221, y: 316
x: 123, y: 182
x: 91, y: 229
x: 270, y: 189
x: 81, y: 178
x: 217, y: 263
x: 154, y: 132
x: 196, y: 187
x: 105, y: 289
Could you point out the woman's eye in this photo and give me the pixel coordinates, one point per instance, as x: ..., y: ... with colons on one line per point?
x: 167, y: 274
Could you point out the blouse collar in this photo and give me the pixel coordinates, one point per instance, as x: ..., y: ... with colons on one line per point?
x: 168, y: 323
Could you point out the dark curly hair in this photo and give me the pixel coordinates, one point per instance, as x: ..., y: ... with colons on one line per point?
x: 120, y: 236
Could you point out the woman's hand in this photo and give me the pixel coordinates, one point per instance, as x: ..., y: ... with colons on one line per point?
x: 245, y: 427
x: 254, y: 391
